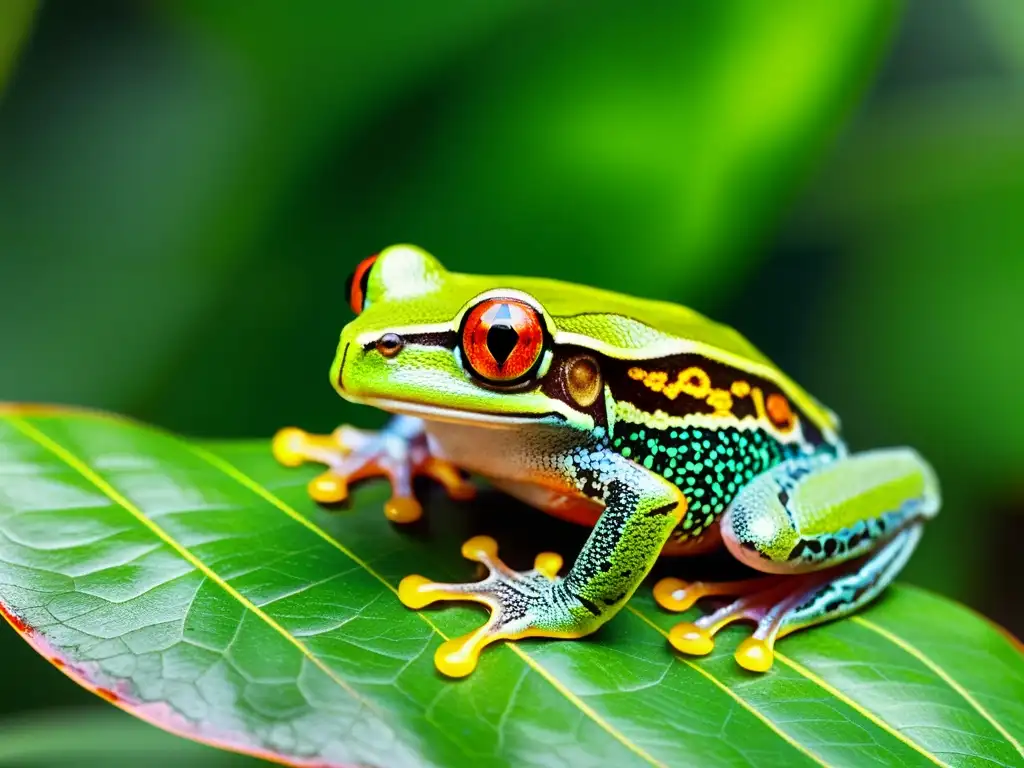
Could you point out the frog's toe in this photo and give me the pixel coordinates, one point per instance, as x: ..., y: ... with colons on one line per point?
x: 762, y: 602
x: 448, y: 476
x: 328, y: 488
x: 395, y: 452
x: 755, y: 654
x: 293, y: 447
x: 522, y: 603
x: 677, y: 595
x: 403, y: 509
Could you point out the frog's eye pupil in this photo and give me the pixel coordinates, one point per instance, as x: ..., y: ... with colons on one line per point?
x: 358, y: 283
x: 502, y: 340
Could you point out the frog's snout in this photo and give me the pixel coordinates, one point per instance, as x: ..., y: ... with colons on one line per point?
x: 349, y: 373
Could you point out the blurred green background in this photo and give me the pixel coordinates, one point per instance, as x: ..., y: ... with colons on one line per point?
x: 184, y: 187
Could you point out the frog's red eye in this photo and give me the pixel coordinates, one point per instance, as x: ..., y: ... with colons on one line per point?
x: 502, y: 340
x: 357, y: 283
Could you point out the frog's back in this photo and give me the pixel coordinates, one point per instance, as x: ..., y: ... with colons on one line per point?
x: 563, y: 302
x: 646, y: 329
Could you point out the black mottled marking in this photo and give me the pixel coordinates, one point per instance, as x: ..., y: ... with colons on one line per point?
x: 830, y: 547
x: 589, y: 605
x: 442, y: 339
x: 616, y: 599
x: 663, y: 510
x: 620, y: 503
x: 606, y: 566
x: 813, y: 546
x: 784, y: 497
x: 445, y: 339
x: 798, y: 550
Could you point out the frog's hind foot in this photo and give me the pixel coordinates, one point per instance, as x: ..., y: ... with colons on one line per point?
x: 761, y: 599
x: 398, y: 452
x: 522, y: 603
x: 780, y: 605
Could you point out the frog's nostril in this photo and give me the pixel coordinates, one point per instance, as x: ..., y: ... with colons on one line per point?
x: 390, y: 344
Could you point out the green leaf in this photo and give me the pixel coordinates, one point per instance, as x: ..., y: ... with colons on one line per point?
x: 198, y: 588
x: 15, y: 22
x: 1004, y: 22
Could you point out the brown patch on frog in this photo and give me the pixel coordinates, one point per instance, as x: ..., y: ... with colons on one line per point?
x: 576, y: 378
x: 583, y: 380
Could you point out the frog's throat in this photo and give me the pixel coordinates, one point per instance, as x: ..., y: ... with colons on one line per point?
x: 455, y: 415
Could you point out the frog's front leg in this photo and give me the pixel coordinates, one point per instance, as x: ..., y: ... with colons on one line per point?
x: 641, y: 510
x: 398, y: 452
x: 834, y: 532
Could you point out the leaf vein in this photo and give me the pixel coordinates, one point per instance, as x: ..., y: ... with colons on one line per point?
x: 934, y: 667
x: 36, y: 435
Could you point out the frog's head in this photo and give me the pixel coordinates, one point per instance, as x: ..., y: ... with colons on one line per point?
x: 456, y: 347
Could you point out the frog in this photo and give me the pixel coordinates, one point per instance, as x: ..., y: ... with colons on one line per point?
x: 664, y: 432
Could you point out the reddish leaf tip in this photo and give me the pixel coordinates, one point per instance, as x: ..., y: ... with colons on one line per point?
x: 19, y: 626
x: 108, y: 694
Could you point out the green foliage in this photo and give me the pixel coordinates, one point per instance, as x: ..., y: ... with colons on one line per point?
x: 199, y: 587
x: 15, y: 21
x: 228, y: 163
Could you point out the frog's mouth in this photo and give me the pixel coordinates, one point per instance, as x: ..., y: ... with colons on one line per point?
x: 455, y: 415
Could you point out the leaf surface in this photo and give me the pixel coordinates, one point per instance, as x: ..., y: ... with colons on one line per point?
x: 197, y: 587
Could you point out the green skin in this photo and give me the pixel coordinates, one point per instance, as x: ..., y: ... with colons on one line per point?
x: 694, y: 439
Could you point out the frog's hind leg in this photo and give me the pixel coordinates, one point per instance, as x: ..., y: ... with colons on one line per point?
x: 808, y: 599
x: 834, y: 532
x: 398, y: 452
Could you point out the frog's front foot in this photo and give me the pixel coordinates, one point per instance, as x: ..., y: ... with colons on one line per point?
x: 523, y: 604
x: 398, y: 452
